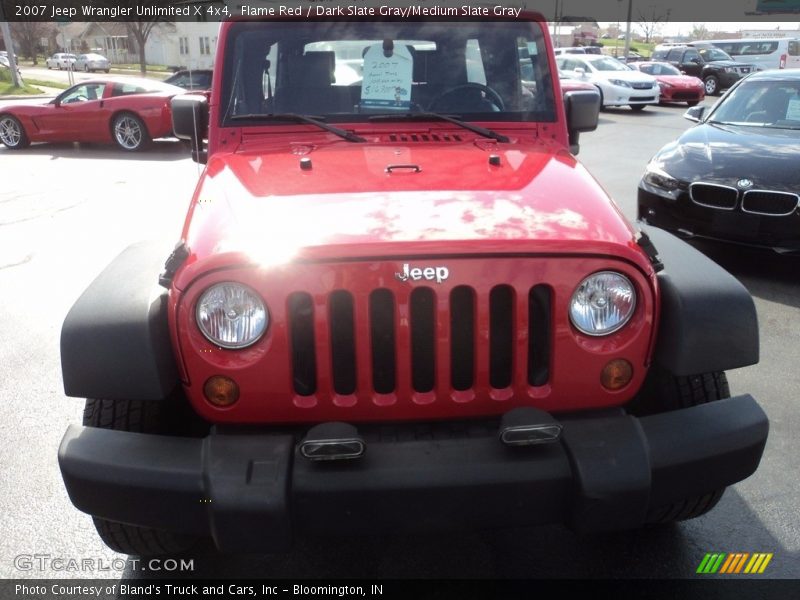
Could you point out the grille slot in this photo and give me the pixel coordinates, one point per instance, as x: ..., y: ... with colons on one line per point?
x: 539, y: 334
x: 462, y: 338
x: 711, y: 195
x: 423, y: 339
x: 774, y: 204
x: 304, y: 361
x: 501, y: 336
x: 343, y: 344
x: 451, y: 345
x: 382, y: 340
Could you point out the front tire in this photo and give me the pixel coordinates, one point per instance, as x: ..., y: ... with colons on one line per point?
x: 665, y: 392
x: 12, y: 133
x: 712, y: 85
x: 637, y: 107
x: 692, y: 102
x: 140, y: 417
x: 129, y: 132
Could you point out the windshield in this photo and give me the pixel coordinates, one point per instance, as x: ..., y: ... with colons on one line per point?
x: 659, y: 69
x: 607, y: 63
x: 710, y: 54
x: 351, y: 71
x: 761, y: 103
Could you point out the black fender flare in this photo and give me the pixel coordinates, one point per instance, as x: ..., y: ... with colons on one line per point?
x: 708, y: 318
x: 115, y: 341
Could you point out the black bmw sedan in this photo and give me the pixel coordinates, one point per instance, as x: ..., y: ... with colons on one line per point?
x: 735, y: 176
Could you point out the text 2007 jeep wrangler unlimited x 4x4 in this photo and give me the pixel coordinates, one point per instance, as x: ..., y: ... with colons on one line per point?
x: 398, y: 301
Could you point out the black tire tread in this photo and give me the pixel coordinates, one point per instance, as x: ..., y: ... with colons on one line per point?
x: 141, y: 541
x: 671, y: 392
x: 139, y: 417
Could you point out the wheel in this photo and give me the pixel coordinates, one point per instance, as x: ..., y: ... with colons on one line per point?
x: 664, y: 392
x: 157, y: 417
x: 129, y: 132
x: 712, y: 85
x: 637, y: 107
x: 12, y: 133
x: 599, y: 91
x: 108, y: 70
x: 491, y: 95
x: 85, y: 68
x: 692, y: 102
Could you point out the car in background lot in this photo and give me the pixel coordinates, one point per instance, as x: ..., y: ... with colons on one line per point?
x: 734, y: 175
x: 675, y: 86
x: 90, y: 63
x: 764, y: 53
x: 717, y: 70
x: 191, y: 79
x: 60, y: 60
x: 618, y: 84
x: 129, y: 112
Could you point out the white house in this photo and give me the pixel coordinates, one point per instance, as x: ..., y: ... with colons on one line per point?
x: 184, y: 44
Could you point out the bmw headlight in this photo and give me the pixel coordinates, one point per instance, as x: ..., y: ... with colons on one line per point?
x: 231, y: 315
x: 619, y: 82
x: 602, y: 304
x: 658, y: 181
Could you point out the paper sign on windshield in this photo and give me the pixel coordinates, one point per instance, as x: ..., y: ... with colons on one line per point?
x: 387, y: 79
x: 793, y: 110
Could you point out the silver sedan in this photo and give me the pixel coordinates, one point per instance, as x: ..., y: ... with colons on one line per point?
x: 92, y: 63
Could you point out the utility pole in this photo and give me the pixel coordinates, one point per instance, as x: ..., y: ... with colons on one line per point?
x: 12, y: 59
x: 628, y: 32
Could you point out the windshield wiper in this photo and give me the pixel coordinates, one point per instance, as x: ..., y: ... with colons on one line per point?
x: 430, y: 116
x: 349, y: 136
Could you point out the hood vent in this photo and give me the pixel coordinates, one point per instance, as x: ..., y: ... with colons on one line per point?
x: 423, y: 137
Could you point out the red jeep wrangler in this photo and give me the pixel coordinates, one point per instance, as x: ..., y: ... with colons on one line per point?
x: 398, y: 301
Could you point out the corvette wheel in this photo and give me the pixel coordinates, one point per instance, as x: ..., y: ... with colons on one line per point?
x: 12, y: 133
x: 130, y: 132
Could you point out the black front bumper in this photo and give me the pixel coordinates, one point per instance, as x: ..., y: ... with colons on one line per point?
x: 251, y: 491
x: 681, y: 215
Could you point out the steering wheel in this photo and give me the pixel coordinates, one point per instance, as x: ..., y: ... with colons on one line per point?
x: 491, y: 95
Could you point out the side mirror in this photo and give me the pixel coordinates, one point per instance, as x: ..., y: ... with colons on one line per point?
x: 583, y: 111
x: 695, y: 60
x: 190, y: 122
x: 579, y: 71
x: 695, y: 113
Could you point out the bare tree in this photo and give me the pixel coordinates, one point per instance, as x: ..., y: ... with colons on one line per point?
x: 29, y: 35
x: 699, y: 31
x: 140, y: 31
x: 651, y: 22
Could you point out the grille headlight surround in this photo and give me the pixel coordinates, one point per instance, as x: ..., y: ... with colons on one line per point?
x: 231, y: 315
x: 603, y: 303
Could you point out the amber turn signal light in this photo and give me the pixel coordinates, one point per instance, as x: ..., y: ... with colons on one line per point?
x: 221, y: 391
x: 616, y: 374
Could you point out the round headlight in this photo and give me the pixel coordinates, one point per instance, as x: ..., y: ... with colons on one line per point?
x: 602, y: 303
x: 231, y: 315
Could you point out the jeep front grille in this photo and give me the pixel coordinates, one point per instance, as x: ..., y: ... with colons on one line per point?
x: 451, y: 335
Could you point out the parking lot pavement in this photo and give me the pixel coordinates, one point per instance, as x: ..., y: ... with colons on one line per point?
x: 67, y: 210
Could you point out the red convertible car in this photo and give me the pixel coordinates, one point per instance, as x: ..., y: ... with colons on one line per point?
x: 129, y: 112
x: 676, y: 86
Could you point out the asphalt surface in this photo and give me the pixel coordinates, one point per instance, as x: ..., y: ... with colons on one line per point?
x: 67, y: 210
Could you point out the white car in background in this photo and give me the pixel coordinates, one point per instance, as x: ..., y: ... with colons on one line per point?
x: 92, y: 63
x: 619, y: 85
x: 60, y: 60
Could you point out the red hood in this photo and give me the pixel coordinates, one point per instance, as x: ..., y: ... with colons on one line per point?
x: 679, y: 80
x: 258, y: 201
